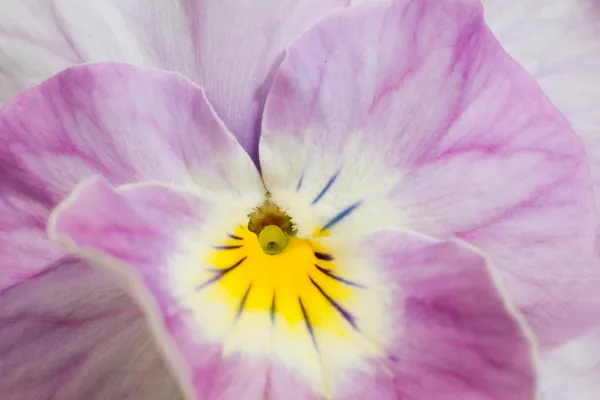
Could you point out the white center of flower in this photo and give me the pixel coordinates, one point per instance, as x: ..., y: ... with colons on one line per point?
x: 308, y: 303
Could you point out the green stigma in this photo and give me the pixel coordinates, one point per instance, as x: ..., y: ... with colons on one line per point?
x: 272, y: 239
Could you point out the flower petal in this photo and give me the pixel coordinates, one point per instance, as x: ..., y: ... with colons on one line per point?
x: 454, y: 334
x: 124, y: 123
x: 558, y: 43
x: 140, y: 227
x: 448, y: 331
x: 70, y: 332
x: 409, y: 114
x: 230, y: 47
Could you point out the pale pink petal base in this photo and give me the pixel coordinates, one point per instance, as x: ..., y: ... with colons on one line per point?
x: 436, y: 129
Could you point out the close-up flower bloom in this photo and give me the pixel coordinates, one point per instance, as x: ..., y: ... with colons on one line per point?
x: 279, y: 199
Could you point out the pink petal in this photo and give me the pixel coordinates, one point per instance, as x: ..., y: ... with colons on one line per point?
x: 409, y: 114
x: 230, y: 47
x: 558, y: 42
x: 451, y: 334
x: 126, y: 124
x: 71, y: 333
x: 121, y: 122
x: 455, y: 337
x: 139, y: 228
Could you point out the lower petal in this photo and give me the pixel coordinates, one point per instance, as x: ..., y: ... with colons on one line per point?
x: 414, y: 319
x: 453, y: 334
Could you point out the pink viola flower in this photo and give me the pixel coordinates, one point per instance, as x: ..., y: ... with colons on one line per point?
x: 392, y: 209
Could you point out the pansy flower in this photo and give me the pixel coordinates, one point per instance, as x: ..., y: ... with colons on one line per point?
x: 390, y: 208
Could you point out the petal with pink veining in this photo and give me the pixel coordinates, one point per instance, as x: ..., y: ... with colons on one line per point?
x: 127, y: 124
x: 454, y: 334
x: 230, y: 47
x: 69, y: 332
x: 144, y: 229
x: 558, y: 43
x: 428, y: 320
x: 409, y: 114
x: 118, y: 121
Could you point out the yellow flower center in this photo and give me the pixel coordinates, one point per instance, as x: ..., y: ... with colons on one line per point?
x: 297, y: 283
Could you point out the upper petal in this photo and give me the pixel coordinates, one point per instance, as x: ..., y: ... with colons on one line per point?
x: 558, y: 42
x: 230, y: 47
x: 126, y: 124
x: 410, y: 114
x: 114, y: 120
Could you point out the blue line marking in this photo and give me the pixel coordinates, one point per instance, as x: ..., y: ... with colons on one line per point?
x: 347, y: 316
x: 337, y: 278
x: 220, y: 273
x: 326, y: 188
x: 323, y: 256
x: 340, y: 216
x: 228, y: 247
x: 300, y: 182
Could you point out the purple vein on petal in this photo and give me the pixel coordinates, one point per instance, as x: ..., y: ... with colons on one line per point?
x: 273, y: 308
x: 344, y: 313
x: 220, y: 273
x: 341, y: 215
x: 300, y: 181
x: 323, y: 256
x: 309, y: 326
x: 228, y: 247
x: 326, y: 188
x: 243, y: 302
x: 338, y: 278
